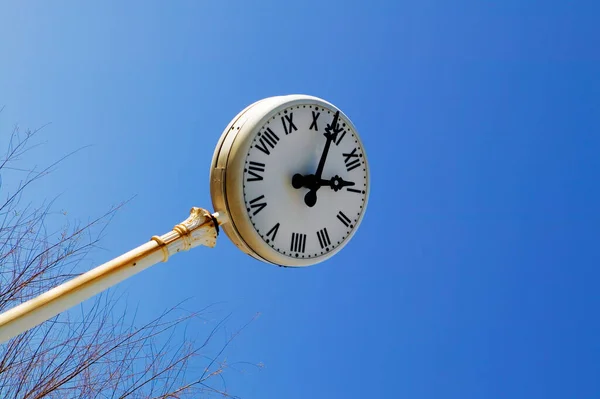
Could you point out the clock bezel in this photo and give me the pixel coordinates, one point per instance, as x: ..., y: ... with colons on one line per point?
x: 227, y: 178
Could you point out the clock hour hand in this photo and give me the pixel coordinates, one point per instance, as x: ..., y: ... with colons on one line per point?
x: 336, y: 183
x: 311, y: 182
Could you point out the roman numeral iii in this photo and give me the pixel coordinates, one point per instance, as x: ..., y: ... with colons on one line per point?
x: 268, y: 139
x: 352, y: 160
x: 288, y: 123
x: 323, y: 237
x: 256, y: 205
x: 254, y: 170
x: 298, y: 243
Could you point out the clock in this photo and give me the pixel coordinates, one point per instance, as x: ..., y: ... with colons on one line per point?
x: 291, y: 174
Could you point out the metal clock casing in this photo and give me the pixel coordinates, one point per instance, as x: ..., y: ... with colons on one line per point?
x: 236, y: 170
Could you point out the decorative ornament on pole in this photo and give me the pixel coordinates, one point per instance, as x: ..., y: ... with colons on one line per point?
x: 289, y: 184
x: 200, y: 228
x: 190, y: 233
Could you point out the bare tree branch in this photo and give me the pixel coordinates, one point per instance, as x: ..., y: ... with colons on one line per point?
x: 99, y: 352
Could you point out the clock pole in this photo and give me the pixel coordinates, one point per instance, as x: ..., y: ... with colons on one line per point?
x: 200, y: 228
x: 248, y: 133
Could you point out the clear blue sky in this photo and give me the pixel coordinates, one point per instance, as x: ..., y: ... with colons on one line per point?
x: 475, y: 272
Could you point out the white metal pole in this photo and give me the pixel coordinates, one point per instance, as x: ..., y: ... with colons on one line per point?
x: 200, y: 228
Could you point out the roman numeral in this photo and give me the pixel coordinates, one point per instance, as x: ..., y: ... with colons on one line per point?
x: 273, y: 231
x: 323, y: 237
x: 315, y: 116
x: 351, y: 160
x: 268, y: 139
x: 254, y: 169
x: 344, y: 219
x: 259, y: 206
x: 341, y: 136
x: 288, y: 123
x: 298, y: 243
x: 334, y: 133
x: 353, y: 190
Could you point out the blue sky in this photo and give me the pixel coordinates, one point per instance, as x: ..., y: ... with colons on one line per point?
x: 475, y: 271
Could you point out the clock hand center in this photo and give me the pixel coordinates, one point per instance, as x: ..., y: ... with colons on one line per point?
x: 306, y: 181
x: 310, y: 182
x: 298, y: 181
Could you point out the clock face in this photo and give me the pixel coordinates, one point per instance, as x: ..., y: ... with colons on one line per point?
x: 305, y: 180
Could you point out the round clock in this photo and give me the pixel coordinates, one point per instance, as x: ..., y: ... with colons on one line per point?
x: 292, y: 175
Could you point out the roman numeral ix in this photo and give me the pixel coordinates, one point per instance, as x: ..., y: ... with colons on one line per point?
x: 258, y: 206
x: 298, y: 243
x: 351, y: 160
x: 254, y: 169
x: 344, y: 219
x: 323, y: 237
x: 268, y: 139
x: 288, y: 123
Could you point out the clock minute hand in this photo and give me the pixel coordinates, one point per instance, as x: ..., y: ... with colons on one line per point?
x: 310, y: 199
x: 330, y: 134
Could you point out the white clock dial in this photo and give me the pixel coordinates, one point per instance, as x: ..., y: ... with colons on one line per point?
x: 292, y: 142
x: 292, y: 174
